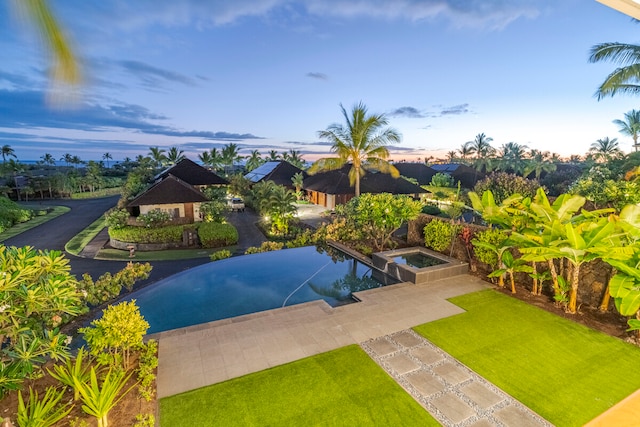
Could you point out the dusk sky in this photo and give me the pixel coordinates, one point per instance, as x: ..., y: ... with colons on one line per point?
x: 269, y: 74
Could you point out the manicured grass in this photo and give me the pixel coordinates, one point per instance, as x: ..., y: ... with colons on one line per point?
x: 564, y: 371
x: 34, y: 222
x: 169, y: 254
x: 343, y: 387
x: 80, y: 240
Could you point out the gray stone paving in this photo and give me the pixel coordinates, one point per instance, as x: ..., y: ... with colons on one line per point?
x: 451, y: 392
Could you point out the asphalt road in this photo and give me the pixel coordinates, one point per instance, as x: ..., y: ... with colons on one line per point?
x: 56, y: 233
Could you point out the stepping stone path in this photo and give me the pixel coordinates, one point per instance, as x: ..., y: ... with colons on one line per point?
x: 448, y: 390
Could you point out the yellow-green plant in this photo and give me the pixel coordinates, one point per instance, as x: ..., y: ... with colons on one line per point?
x: 43, y: 412
x: 147, y: 363
x: 218, y: 255
x: 116, y: 334
x: 72, y: 370
x: 98, y: 399
x: 438, y: 235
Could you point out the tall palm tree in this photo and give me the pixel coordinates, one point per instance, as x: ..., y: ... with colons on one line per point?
x: 465, y: 151
x: 158, y: 156
x: 107, y: 156
x: 253, y: 160
x: 174, y: 155
x: 294, y: 157
x: 205, y: 158
x: 48, y: 159
x: 362, y: 142
x: 7, y: 151
x: 66, y: 158
x: 537, y: 163
x: 513, y: 157
x: 481, y: 147
x: 630, y: 126
x: 623, y: 79
x: 230, y: 155
x: 605, y: 149
x: 273, y: 156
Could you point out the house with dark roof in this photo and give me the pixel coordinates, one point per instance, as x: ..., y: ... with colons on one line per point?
x: 279, y: 172
x: 467, y: 175
x: 172, y: 195
x: 333, y: 188
x: 418, y: 171
x: 193, y: 174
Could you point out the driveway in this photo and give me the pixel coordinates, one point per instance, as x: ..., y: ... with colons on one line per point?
x: 56, y: 233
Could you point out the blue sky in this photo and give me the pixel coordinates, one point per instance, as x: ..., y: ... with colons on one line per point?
x: 269, y: 74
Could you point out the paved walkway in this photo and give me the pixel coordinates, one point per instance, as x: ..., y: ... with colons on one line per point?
x: 451, y: 392
x: 201, y: 355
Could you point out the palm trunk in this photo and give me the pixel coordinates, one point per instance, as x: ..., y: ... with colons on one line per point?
x: 554, y: 278
x: 604, y: 304
x: 513, y: 283
x: 573, y: 297
x: 534, y: 291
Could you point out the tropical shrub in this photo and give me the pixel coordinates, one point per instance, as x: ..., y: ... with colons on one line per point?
x: 109, y: 286
x: 98, y: 399
x: 431, y: 210
x: 167, y: 234
x: 72, y: 370
x: 43, y: 412
x: 38, y: 294
x: 378, y: 216
x: 155, y: 218
x: 218, y: 255
x: 213, y: 211
x: 147, y: 363
x: 442, y: 180
x: 11, y: 213
x: 264, y: 247
x: 305, y: 238
x: 213, y: 234
x: 438, y: 235
x: 503, y: 185
x: 493, y: 237
x: 116, y: 334
x: 117, y: 218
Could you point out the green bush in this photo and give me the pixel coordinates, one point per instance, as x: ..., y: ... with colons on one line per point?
x: 117, y: 218
x: 486, y: 255
x: 155, y: 218
x: 218, y: 255
x: 167, y: 234
x: 442, y: 180
x: 438, y: 235
x: 11, y: 213
x: 265, y: 247
x: 503, y: 185
x: 431, y: 210
x: 213, y: 234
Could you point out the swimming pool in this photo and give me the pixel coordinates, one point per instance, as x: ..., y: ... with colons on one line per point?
x: 252, y: 283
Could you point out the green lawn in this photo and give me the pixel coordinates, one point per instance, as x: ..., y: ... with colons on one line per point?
x: 565, y: 372
x: 341, y: 387
x: 82, y: 239
x: 169, y: 254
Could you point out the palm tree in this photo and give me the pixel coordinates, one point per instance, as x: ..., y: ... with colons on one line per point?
x: 630, y: 126
x: 75, y: 160
x: 67, y: 158
x: 7, y: 151
x: 48, y: 159
x: 298, y: 181
x: 230, y: 155
x: 107, y: 157
x: 465, y: 151
x: 158, y: 156
x: 623, y: 79
x: 174, y: 155
x: 537, y: 163
x: 273, y: 156
x: 205, y: 158
x: 253, y: 160
x: 512, y: 157
x: 452, y: 156
x: 363, y: 142
x: 481, y: 147
x: 294, y: 157
x: 605, y: 149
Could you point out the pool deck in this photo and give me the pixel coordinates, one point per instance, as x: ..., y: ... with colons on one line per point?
x: 201, y: 355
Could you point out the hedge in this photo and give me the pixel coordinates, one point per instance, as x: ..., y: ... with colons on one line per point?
x: 213, y: 234
x: 168, y: 234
